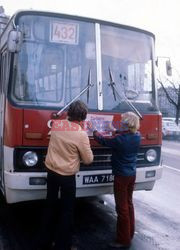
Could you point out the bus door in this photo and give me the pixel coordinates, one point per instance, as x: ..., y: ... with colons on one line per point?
x: 3, y: 78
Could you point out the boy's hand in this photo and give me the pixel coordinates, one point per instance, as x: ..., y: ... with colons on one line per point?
x: 90, y: 126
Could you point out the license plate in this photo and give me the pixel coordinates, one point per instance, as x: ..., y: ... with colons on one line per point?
x: 97, y: 179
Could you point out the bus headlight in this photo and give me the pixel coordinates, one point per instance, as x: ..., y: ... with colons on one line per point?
x: 30, y: 159
x: 151, y: 155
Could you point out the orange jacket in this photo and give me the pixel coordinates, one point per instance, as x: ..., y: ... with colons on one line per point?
x: 67, y: 148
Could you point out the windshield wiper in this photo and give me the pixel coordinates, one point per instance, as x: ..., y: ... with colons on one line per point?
x: 115, y: 93
x: 112, y: 84
x: 89, y: 85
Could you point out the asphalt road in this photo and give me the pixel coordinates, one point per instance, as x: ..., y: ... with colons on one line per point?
x: 157, y: 211
x: 171, y: 154
x: 157, y: 215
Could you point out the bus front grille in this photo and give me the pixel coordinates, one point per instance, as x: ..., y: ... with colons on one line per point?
x: 102, y: 160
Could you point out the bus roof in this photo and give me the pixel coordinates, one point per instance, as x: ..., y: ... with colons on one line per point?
x: 13, y: 21
x: 88, y: 19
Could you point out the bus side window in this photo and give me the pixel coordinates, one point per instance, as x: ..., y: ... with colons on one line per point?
x: 4, y: 72
x: 0, y: 75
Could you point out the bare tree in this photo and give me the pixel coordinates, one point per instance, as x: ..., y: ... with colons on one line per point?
x: 175, y: 102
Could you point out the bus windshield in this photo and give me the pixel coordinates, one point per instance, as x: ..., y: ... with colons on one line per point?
x: 57, y: 54
x: 54, y: 62
x: 128, y: 56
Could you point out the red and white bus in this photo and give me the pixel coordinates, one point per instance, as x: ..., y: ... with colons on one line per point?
x: 47, y: 60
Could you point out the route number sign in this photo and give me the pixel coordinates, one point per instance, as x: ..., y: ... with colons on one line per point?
x: 62, y: 32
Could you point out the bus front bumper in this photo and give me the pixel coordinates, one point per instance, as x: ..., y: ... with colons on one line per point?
x: 32, y: 186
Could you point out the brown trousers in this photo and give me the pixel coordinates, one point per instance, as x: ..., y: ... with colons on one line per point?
x: 123, y: 192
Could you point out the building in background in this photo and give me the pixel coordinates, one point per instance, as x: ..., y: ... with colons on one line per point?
x: 3, y: 19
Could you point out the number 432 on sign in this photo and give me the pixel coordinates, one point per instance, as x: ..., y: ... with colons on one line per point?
x: 62, y: 32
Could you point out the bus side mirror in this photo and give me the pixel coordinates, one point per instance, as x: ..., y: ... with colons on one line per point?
x: 168, y: 68
x: 15, y: 39
x: 157, y: 62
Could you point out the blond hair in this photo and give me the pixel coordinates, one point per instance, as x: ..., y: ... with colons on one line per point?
x: 131, y: 120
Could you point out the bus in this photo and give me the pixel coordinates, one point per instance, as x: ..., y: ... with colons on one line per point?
x: 48, y: 60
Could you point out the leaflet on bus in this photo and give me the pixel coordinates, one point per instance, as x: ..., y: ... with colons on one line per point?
x: 103, y: 124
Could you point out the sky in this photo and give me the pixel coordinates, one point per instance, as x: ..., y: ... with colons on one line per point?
x: 161, y: 17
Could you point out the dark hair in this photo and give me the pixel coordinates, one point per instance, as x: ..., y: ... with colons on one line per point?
x: 77, y: 111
